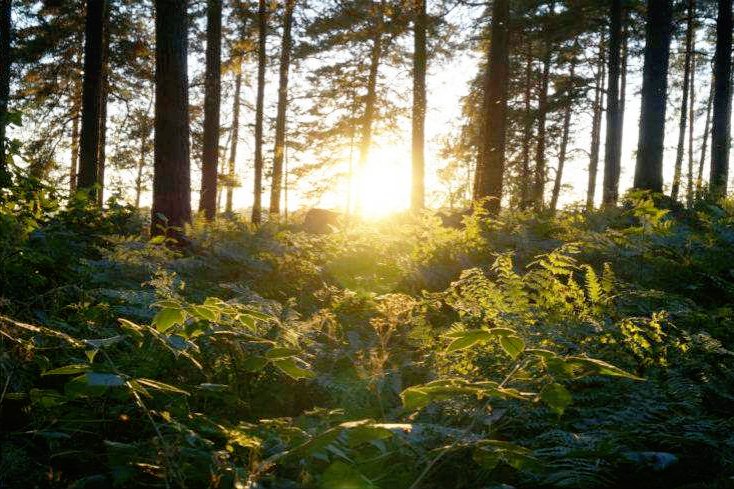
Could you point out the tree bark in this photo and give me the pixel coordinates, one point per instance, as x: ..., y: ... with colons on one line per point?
x: 613, y: 144
x: 491, y: 160
x: 93, y: 86
x: 74, y: 150
x: 598, y: 109
x: 539, y: 181
x: 212, y: 99
x: 721, y: 122
x: 419, y: 105
x: 525, y: 177
x: 259, y: 109
x: 102, y: 146
x: 649, y: 165
x: 371, y: 98
x: 5, y: 60
x: 691, y: 116
x: 677, y: 175
x: 565, y: 134
x: 706, y: 135
x: 171, y: 181
x: 235, y: 138
x: 280, y: 120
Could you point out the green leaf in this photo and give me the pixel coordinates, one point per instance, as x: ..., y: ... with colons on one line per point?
x: 166, y: 318
x: 513, y: 345
x: 289, y: 367
x: 254, y: 363
x: 601, y: 367
x: 69, y: 369
x: 95, y: 379
x: 278, y: 353
x: 340, y: 475
x: 487, y: 459
x: 414, y: 398
x: 157, y: 240
x: 104, y: 342
x: 161, y: 386
x: 206, y: 312
x: 467, y: 339
x: 556, y: 397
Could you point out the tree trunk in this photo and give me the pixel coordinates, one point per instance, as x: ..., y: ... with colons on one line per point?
x: 5, y: 60
x: 102, y: 146
x: 74, y: 150
x: 235, y: 138
x: 613, y: 144
x: 527, y: 134
x: 649, y: 165
x: 280, y: 120
x: 598, y: 109
x: 564, y: 136
x: 419, y: 105
x: 141, y: 165
x: 684, y: 103
x: 721, y: 122
x: 172, y: 180
x: 371, y: 98
x: 260, y: 106
x: 491, y: 160
x: 212, y: 98
x: 691, y: 115
x: 93, y: 86
x: 539, y: 181
x: 704, y: 143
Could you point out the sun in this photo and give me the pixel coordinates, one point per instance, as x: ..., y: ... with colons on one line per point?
x: 384, y: 184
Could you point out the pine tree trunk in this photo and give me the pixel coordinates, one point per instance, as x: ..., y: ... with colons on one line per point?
x: 141, y: 165
x: 525, y: 177
x: 171, y: 181
x: 691, y: 115
x: 598, y: 109
x: 280, y: 120
x: 564, y: 136
x: 74, y: 149
x: 613, y: 144
x: 371, y: 98
x: 539, y: 181
x: 212, y: 100
x: 259, y: 109
x: 235, y: 138
x: 5, y: 60
x: 93, y: 87
x: 102, y: 146
x: 706, y: 136
x: 419, y: 105
x: 649, y: 165
x: 491, y: 161
x: 677, y: 175
x: 721, y: 122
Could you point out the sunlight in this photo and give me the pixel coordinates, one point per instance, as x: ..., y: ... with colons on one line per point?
x: 384, y: 186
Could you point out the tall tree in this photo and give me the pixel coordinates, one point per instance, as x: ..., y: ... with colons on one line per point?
x: 721, y: 122
x: 567, y: 112
x: 235, y: 137
x: 613, y: 146
x: 417, y: 199
x: 262, y: 14
x: 691, y: 121
x: 172, y: 180
x: 706, y: 136
x: 5, y: 60
x: 540, y: 157
x: 280, y: 119
x: 92, y: 98
x: 649, y: 165
x: 678, y: 170
x: 527, y: 135
x: 597, y: 110
x: 491, y: 158
x: 212, y: 97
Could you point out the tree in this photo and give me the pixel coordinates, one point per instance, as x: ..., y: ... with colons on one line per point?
x: 92, y: 98
x: 597, y: 109
x: 171, y: 181
x: 721, y: 121
x: 490, y: 161
x: 649, y: 165
x: 212, y: 96
x: 5, y: 60
x: 684, y: 101
x: 280, y: 119
x: 262, y: 14
x: 613, y: 146
x: 419, y: 104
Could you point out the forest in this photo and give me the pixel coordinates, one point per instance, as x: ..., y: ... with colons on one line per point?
x: 366, y: 244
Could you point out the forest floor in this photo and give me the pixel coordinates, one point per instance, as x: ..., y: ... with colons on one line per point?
x: 581, y: 350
